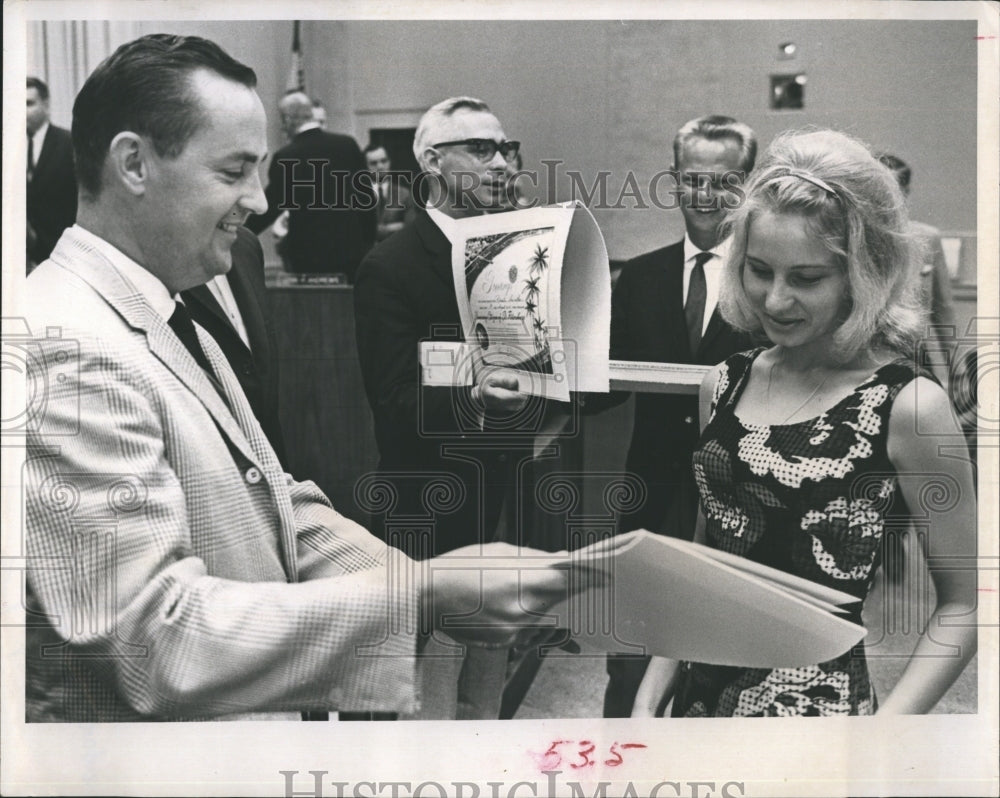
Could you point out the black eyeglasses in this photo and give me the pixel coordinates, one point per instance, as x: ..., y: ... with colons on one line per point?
x: 486, y: 149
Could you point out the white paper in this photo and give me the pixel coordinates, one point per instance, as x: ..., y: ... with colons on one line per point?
x: 677, y: 599
x: 534, y: 293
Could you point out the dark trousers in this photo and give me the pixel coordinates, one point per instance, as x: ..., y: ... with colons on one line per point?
x: 625, y: 672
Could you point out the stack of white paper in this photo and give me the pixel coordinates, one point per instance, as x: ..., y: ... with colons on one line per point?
x: 678, y: 599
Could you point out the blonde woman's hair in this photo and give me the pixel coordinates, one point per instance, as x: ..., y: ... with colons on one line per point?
x: 855, y: 207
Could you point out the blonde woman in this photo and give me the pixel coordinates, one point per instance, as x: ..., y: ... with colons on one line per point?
x: 810, y: 446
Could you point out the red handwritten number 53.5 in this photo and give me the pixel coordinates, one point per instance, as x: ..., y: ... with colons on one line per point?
x: 552, y: 758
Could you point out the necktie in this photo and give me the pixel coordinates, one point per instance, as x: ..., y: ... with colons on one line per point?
x: 694, y: 307
x: 180, y: 322
x: 31, y: 157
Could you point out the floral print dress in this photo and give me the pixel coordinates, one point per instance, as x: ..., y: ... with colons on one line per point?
x: 812, y: 498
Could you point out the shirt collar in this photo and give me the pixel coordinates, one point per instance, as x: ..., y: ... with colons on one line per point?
x: 720, y: 250
x: 145, y: 282
x: 307, y: 126
x: 39, y: 136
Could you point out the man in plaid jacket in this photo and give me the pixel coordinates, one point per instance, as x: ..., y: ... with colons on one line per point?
x: 175, y: 571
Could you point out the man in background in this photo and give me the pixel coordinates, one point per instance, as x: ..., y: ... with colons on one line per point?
x: 279, y: 229
x: 317, y: 178
x: 663, y: 309
x: 395, y: 206
x: 319, y: 114
x: 471, y: 441
x: 935, y: 282
x: 51, y: 189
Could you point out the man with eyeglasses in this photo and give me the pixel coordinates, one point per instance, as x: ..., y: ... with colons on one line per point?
x: 448, y: 456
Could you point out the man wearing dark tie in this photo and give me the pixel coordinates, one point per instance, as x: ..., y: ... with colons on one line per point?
x: 664, y: 310
x: 174, y: 569
x: 51, y: 191
x: 233, y: 307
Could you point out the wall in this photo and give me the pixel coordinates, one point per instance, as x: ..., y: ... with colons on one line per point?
x: 609, y: 95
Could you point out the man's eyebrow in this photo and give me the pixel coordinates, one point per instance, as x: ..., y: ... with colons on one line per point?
x: 244, y: 155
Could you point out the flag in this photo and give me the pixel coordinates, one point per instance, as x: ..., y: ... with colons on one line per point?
x: 296, y: 78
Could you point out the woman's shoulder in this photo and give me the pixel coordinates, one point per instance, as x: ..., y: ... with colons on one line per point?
x: 898, y: 371
x: 735, y: 363
x: 742, y: 361
x: 921, y: 421
x: 916, y: 401
x: 720, y: 377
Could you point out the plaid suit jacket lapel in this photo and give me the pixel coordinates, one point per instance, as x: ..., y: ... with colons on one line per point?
x: 237, y: 421
x: 117, y: 291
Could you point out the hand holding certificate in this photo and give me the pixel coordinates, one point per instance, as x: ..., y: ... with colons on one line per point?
x: 534, y: 295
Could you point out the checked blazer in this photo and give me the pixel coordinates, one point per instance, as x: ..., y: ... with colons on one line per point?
x: 175, y: 571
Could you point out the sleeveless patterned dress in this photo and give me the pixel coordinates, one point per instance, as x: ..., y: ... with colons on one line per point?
x: 811, y: 498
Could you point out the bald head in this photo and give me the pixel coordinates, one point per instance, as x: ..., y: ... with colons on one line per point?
x: 296, y: 109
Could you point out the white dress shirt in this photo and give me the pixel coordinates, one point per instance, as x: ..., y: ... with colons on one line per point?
x: 223, y: 293
x: 37, y: 142
x: 713, y: 273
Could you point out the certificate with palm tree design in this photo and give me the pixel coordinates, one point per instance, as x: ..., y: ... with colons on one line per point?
x: 534, y: 294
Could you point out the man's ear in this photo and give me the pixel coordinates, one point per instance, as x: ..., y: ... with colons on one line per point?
x: 128, y: 161
x: 431, y: 160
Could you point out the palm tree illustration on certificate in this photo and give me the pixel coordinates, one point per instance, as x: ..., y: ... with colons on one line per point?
x: 509, y: 296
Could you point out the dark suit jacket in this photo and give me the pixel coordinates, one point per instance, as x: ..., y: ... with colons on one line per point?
x: 51, y: 194
x: 394, y: 209
x: 647, y: 323
x: 429, y: 435
x: 257, y: 370
x: 335, y: 235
